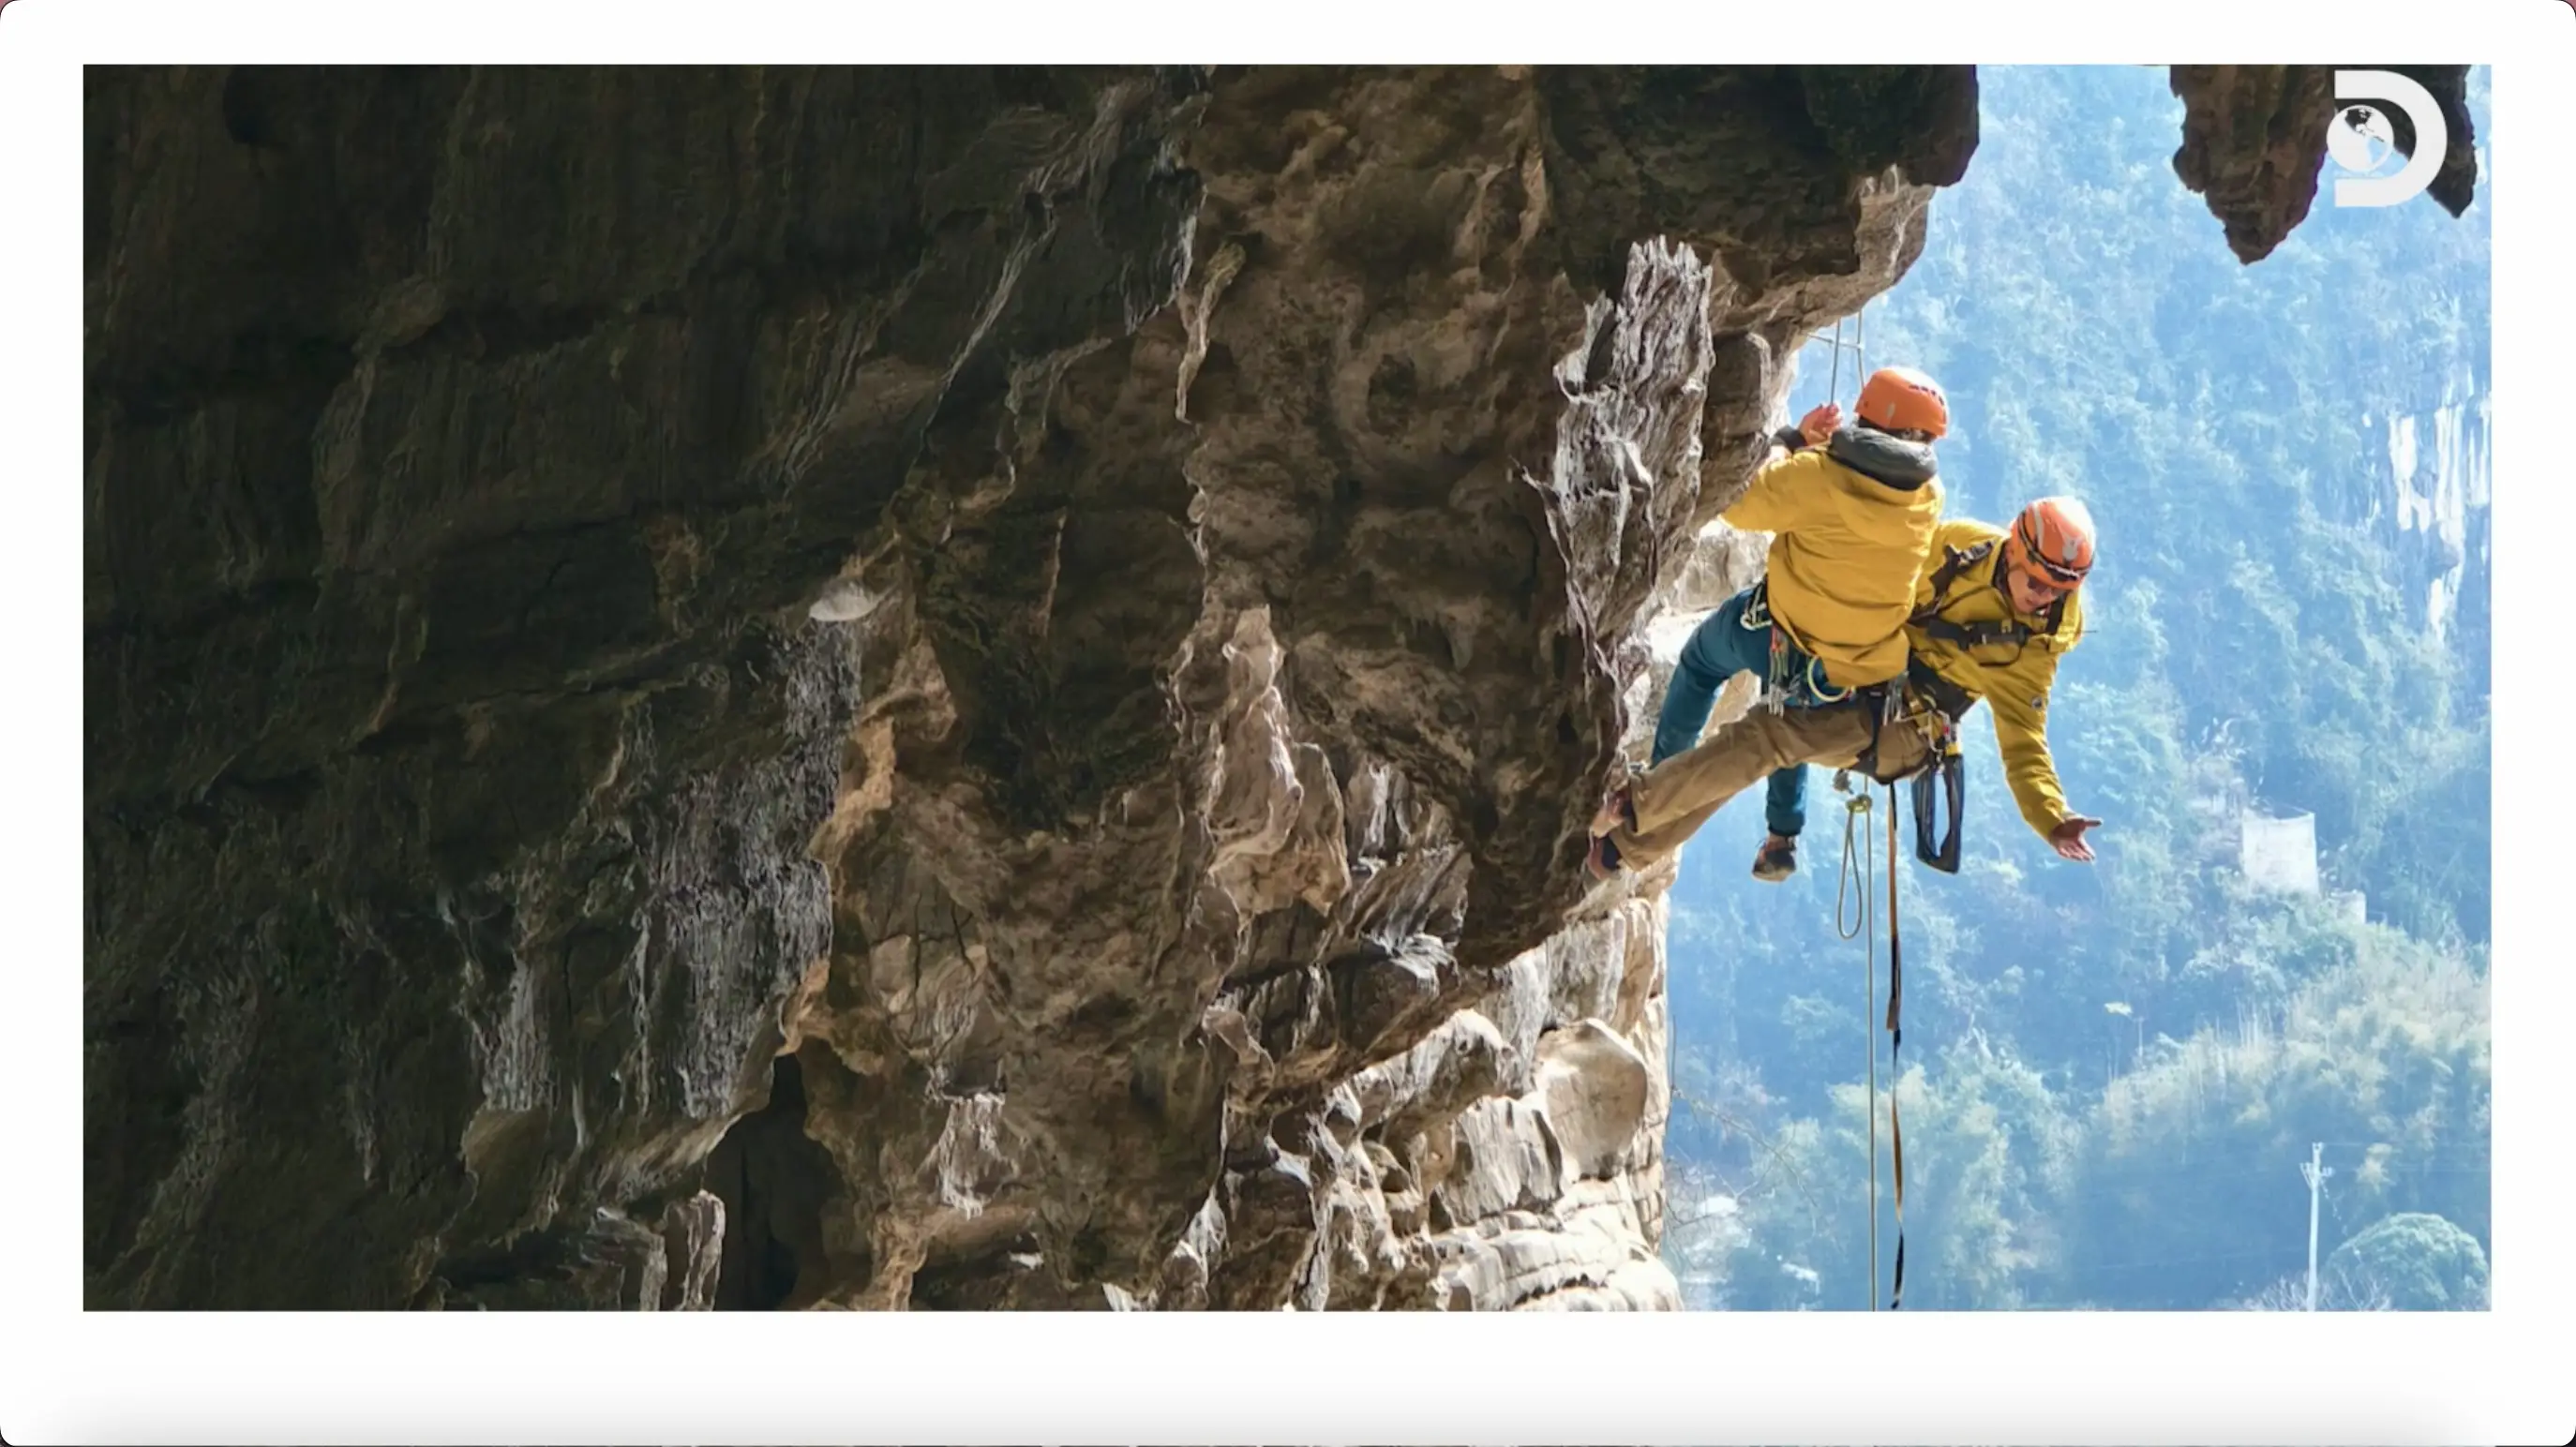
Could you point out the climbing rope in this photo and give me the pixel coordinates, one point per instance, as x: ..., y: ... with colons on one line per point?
x: 1860, y: 354
x: 1895, y: 1063
x: 1858, y: 899
x: 1854, y: 904
x: 1854, y: 882
x: 1856, y: 869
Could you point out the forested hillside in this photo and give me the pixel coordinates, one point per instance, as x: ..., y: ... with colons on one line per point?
x: 2114, y: 1072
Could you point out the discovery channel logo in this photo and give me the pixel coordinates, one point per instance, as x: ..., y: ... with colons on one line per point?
x: 2361, y: 140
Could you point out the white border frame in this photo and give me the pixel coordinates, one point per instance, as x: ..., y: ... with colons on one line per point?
x: 2110, y: 1378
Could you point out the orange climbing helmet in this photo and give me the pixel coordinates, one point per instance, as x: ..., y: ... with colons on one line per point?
x: 1903, y: 399
x: 2053, y: 536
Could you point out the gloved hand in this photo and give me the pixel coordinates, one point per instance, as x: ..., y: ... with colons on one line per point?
x: 1820, y: 423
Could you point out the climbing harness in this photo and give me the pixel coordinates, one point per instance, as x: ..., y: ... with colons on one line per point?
x: 1787, y: 681
x: 1888, y: 703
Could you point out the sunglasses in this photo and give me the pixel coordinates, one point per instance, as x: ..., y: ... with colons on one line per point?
x: 2046, y: 579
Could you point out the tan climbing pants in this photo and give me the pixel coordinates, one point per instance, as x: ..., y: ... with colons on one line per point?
x: 1678, y: 795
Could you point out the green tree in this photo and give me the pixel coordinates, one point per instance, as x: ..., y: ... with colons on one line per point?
x: 1986, y: 1145
x: 2186, y: 1190
x: 2418, y: 1260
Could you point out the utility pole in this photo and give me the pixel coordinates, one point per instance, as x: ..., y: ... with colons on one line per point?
x: 2316, y: 1171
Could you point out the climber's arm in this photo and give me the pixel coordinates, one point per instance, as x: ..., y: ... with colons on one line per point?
x: 1786, y: 491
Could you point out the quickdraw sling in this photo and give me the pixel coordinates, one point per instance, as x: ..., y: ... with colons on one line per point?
x: 1794, y: 675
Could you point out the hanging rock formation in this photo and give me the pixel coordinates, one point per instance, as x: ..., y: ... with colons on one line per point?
x: 978, y: 689
x: 2254, y: 139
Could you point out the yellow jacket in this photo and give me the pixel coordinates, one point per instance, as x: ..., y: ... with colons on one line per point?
x: 1845, y: 559
x: 2013, y: 680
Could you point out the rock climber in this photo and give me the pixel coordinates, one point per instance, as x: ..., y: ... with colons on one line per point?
x: 1852, y: 511
x: 1994, y: 612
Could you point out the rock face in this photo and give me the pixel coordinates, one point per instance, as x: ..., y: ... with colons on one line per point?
x: 465, y: 451
x: 2254, y: 138
x: 791, y: 688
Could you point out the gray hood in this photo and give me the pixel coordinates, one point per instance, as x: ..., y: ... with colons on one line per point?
x: 1882, y: 458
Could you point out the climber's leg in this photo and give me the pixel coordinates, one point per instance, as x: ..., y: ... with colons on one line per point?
x: 1785, y: 812
x: 1784, y: 804
x: 1669, y: 803
x: 1901, y: 749
x: 1717, y: 650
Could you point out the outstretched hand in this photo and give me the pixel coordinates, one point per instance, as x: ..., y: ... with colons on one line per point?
x: 2068, y: 838
x: 1820, y: 423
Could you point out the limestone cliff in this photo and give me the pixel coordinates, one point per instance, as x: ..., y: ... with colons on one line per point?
x: 889, y: 688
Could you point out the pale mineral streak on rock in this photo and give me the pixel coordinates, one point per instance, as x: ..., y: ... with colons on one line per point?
x: 693, y: 1247
x: 847, y: 600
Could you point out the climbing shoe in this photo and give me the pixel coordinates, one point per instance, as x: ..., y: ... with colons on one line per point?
x: 1618, y: 809
x: 1603, y: 858
x: 1777, y: 861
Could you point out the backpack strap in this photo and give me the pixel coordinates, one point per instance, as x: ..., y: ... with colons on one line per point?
x: 1954, y: 562
x: 2055, y: 617
x: 1974, y: 635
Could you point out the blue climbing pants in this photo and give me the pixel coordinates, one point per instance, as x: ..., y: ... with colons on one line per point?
x: 1721, y: 647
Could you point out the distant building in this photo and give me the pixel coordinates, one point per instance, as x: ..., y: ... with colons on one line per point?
x: 2279, y: 855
